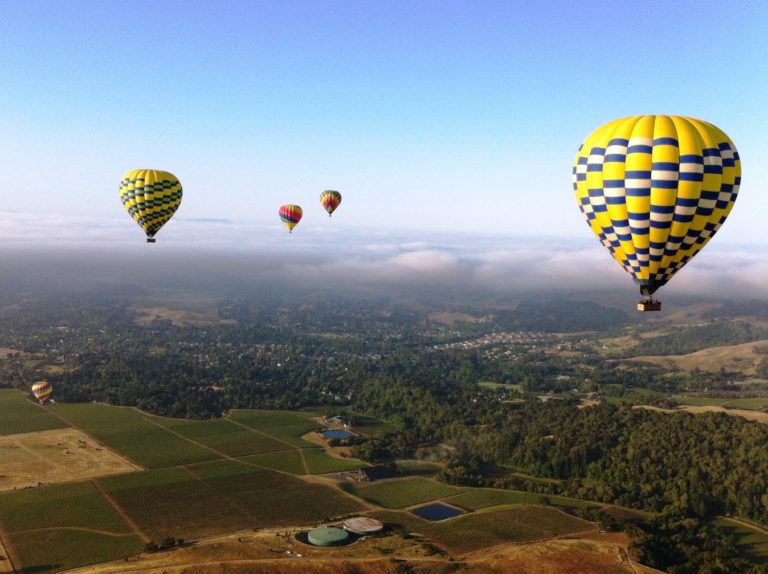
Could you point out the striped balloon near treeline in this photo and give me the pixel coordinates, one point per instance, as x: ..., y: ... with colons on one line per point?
x: 655, y: 190
x: 42, y: 390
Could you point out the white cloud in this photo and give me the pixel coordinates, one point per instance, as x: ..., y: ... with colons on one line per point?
x: 335, y: 254
x: 426, y: 260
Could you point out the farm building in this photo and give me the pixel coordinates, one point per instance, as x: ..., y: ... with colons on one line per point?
x: 328, y: 536
x: 363, y: 526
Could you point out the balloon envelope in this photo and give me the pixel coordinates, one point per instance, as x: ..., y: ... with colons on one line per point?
x: 330, y: 200
x: 654, y: 190
x: 42, y: 390
x: 290, y: 215
x: 150, y: 197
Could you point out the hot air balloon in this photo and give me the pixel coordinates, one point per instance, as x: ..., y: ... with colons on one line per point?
x: 290, y: 215
x: 330, y: 200
x: 151, y: 197
x: 42, y: 390
x: 655, y: 189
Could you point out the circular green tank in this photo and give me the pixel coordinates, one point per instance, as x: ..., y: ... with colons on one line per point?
x: 327, y: 536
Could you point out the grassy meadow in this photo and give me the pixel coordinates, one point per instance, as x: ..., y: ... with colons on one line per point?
x: 221, y: 496
x: 56, y: 550
x: 476, y: 531
x: 320, y: 463
x: 481, y: 498
x: 400, y: 493
x: 18, y: 414
x: 283, y: 425
x: 284, y: 460
x: 222, y: 435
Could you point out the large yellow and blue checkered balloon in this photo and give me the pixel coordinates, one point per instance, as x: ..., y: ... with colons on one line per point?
x: 655, y: 189
x: 150, y: 197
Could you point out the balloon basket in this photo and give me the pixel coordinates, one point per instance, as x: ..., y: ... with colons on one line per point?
x: 649, y: 305
x: 151, y: 240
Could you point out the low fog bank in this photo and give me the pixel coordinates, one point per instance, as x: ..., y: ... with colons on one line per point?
x: 458, y: 267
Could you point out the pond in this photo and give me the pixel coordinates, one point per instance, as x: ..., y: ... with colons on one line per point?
x: 436, y: 512
x: 336, y: 433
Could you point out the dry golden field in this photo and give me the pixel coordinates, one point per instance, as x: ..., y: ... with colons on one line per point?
x: 742, y: 358
x: 449, y: 318
x: 266, y: 552
x: 747, y: 414
x: 55, y: 456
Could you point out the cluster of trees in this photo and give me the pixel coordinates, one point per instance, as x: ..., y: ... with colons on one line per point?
x: 679, y: 544
x: 698, y: 465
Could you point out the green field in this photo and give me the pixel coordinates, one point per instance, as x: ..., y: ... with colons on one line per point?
x: 476, y: 531
x: 221, y: 435
x: 57, y: 550
x: 172, y: 502
x: 320, y: 463
x: 755, y: 404
x: 222, y: 496
x: 77, y: 504
x: 400, y: 493
x: 275, y: 499
x: 370, y: 426
x: 284, y: 460
x: 130, y: 433
x: 413, y: 467
x: 700, y: 401
x: 753, y: 543
x: 63, y: 526
x: 283, y: 425
x: 18, y: 414
x: 477, y: 498
x: 491, y: 385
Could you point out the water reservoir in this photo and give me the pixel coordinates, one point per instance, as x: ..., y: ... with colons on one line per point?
x: 436, y: 511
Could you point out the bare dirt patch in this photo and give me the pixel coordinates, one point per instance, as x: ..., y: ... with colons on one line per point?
x: 448, y: 318
x: 5, y: 353
x: 266, y: 552
x: 181, y: 310
x: 48, y: 457
x: 178, y: 318
x: 595, y: 555
x: 742, y: 358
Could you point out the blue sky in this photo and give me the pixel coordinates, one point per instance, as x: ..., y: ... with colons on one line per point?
x: 430, y: 117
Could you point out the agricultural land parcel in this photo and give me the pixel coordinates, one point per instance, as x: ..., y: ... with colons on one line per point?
x: 19, y: 415
x: 475, y: 531
x: 130, y: 432
x: 63, y: 526
x: 48, y: 457
x: 222, y: 496
x: 401, y: 493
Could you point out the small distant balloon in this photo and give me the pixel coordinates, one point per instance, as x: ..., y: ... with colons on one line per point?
x: 330, y: 200
x: 290, y: 215
x: 42, y: 390
x: 150, y: 197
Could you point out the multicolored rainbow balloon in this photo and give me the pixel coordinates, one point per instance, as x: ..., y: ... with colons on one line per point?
x: 42, y: 390
x: 290, y: 215
x: 330, y: 200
